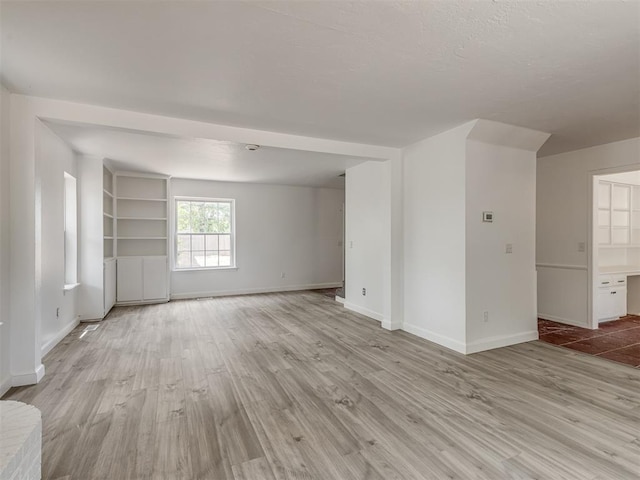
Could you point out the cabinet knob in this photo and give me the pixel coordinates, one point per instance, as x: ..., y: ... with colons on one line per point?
x: 613, y: 293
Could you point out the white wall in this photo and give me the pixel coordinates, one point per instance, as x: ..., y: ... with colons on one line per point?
x: 53, y: 159
x: 4, y: 240
x: 367, y: 237
x: 563, y: 183
x: 434, y: 238
x: 91, y: 245
x: 295, y: 230
x: 502, y: 180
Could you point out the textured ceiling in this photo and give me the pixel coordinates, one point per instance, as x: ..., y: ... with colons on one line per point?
x: 386, y: 73
x: 205, y: 159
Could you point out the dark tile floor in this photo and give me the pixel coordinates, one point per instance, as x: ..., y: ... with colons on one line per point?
x: 618, y: 340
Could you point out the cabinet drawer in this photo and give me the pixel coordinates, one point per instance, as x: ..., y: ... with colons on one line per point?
x: 605, y: 281
x: 619, y: 280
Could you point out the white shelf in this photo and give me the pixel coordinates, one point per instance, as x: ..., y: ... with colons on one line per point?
x: 107, y: 215
x: 142, y: 218
x: 134, y: 199
x: 108, y: 238
x: 107, y: 193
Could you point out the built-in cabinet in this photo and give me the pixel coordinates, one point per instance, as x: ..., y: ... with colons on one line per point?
x: 141, y: 237
x: 612, y: 296
x: 618, y: 238
x: 108, y: 239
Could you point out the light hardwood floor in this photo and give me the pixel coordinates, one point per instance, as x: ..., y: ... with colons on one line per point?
x: 292, y: 386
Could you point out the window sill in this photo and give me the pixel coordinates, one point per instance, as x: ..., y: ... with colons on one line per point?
x: 204, y: 269
x: 70, y: 286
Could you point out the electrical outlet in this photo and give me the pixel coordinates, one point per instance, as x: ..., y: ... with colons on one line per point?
x: 351, y: 244
x: 485, y: 316
x: 364, y: 292
x: 582, y: 246
x: 509, y: 248
x: 282, y: 275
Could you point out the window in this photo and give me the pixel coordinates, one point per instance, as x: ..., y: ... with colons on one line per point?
x: 205, y: 233
x: 70, y: 230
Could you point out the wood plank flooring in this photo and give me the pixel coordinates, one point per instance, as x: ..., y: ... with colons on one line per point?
x: 292, y: 386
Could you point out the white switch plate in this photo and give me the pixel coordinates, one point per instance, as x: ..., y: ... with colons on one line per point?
x: 509, y: 248
x: 582, y: 246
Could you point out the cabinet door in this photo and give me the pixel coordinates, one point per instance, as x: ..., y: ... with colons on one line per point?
x: 619, y: 302
x: 109, y: 285
x: 605, y: 309
x: 129, y: 283
x: 155, y: 278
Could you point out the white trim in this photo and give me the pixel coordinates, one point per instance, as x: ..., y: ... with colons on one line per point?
x: 568, y: 321
x: 28, y: 378
x: 251, y: 291
x: 561, y: 266
x: 339, y: 299
x: 47, y: 347
x: 501, y: 341
x: 88, y: 317
x: 203, y: 269
x: 363, y: 311
x: 5, y: 385
x: 388, y: 324
x: 142, y: 302
x: 441, y: 340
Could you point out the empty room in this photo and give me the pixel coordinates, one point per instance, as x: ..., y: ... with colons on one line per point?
x: 332, y: 240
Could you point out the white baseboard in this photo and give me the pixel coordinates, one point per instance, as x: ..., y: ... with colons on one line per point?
x: 389, y: 325
x: 363, y: 311
x: 251, y: 291
x: 568, y: 321
x: 5, y: 385
x: 90, y: 317
x: 28, y: 378
x: 442, y: 340
x: 501, y: 341
x: 47, y: 347
x: 339, y: 300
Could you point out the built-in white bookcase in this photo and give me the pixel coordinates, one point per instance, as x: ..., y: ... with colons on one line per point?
x: 142, y: 237
x: 107, y: 212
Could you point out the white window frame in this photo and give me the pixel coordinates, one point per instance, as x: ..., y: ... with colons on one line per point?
x: 231, y: 201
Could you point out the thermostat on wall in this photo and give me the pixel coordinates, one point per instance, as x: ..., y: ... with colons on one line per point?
x: 487, y: 217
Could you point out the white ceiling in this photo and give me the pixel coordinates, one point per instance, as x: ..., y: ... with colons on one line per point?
x: 205, y: 159
x: 385, y: 73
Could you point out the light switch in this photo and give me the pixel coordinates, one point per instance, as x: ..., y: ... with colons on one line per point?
x: 509, y: 248
x: 581, y: 246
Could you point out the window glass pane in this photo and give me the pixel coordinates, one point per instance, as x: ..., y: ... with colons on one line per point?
x: 198, y: 259
x: 197, y: 242
x: 225, y: 242
x: 183, y: 260
x: 184, y: 243
x: 203, y: 234
x: 225, y: 258
x: 198, y: 217
x: 224, y: 222
x: 212, y: 259
x: 211, y: 242
x: 183, y: 213
x: 210, y: 216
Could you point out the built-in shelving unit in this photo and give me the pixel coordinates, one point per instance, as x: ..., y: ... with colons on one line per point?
x: 107, y: 213
x: 141, y: 237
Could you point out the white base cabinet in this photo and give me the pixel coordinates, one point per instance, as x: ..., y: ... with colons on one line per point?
x: 142, y: 279
x: 109, y: 282
x: 612, y: 297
